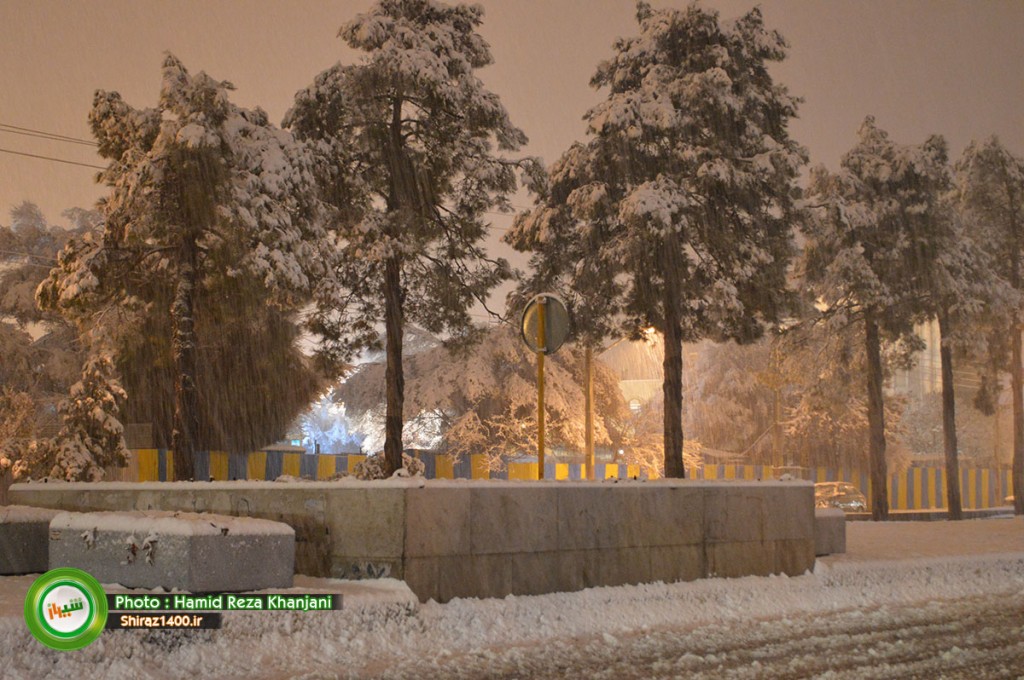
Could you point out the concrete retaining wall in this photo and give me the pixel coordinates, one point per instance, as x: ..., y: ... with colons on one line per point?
x: 490, y: 539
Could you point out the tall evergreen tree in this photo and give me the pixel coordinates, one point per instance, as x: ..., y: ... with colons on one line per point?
x: 252, y: 377
x: 410, y: 146
x: 990, y: 190
x: 679, y: 201
x: 961, y: 291
x: 956, y: 284
x: 203, y: 195
x: 870, y: 255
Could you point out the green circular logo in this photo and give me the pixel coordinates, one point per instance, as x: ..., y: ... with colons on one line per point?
x: 66, y: 609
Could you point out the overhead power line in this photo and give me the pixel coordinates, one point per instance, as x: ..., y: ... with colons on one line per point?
x: 30, y: 132
x: 51, y: 158
x: 41, y: 134
x: 14, y: 253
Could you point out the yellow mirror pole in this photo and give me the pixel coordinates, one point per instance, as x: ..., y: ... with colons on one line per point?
x: 541, y: 346
x: 588, y: 368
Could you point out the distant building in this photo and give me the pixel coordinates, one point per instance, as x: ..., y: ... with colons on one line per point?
x: 925, y: 376
x: 638, y: 364
x: 638, y: 367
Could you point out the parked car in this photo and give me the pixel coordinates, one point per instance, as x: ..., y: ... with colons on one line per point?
x: 842, y: 495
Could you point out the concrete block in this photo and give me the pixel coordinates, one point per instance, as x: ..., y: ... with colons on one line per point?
x: 677, y: 563
x: 490, y: 539
x: 793, y: 557
x: 24, y: 539
x: 589, y: 517
x: 758, y: 511
x: 438, y: 522
x: 421, y: 575
x: 367, y: 523
x: 304, y: 510
x: 735, y: 559
x: 474, y: 576
x: 829, y: 531
x: 578, y: 569
x: 734, y: 512
x: 535, y: 573
x: 670, y: 515
x: 187, y: 551
x: 623, y: 566
x: 606, y: 515
x: 571, y: 570
x: 490, y: 575
x: 789, y: 512
x: 513, y: 517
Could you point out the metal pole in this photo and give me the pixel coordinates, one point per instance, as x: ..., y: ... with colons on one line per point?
x: 588, y: 368
x: 541, y: 347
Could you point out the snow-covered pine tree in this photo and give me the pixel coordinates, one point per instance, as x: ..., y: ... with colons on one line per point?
x: 34, y: 370
x: 875, y: 227
x: 252, y: 376
x: 27, y: 248
x: 17, y: 416
x: 990, y: 192
x: 960, y: 288
x: 201, y: 190
x: 679, y: 200
x: 411, y: 155
x: 91, y: 436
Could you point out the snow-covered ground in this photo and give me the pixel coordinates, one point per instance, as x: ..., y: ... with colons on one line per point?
x: 908, y: 600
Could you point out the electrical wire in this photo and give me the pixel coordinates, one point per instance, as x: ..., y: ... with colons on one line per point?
x: 52, y: 159
x: 28, y: 255
x: 31, y: 132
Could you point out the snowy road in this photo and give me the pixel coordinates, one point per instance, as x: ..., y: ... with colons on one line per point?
x: 970, y: 638
x: 924, y: 600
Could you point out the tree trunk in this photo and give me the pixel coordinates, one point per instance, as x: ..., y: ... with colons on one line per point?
x: 672, y: 381
x: 953, y: 503
x: 185, y: 433
x: 400, y: 199
x: 394, y: 377
x: 876, y: 422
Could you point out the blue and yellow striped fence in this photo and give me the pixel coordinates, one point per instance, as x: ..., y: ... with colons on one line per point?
x: 917, y: 488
